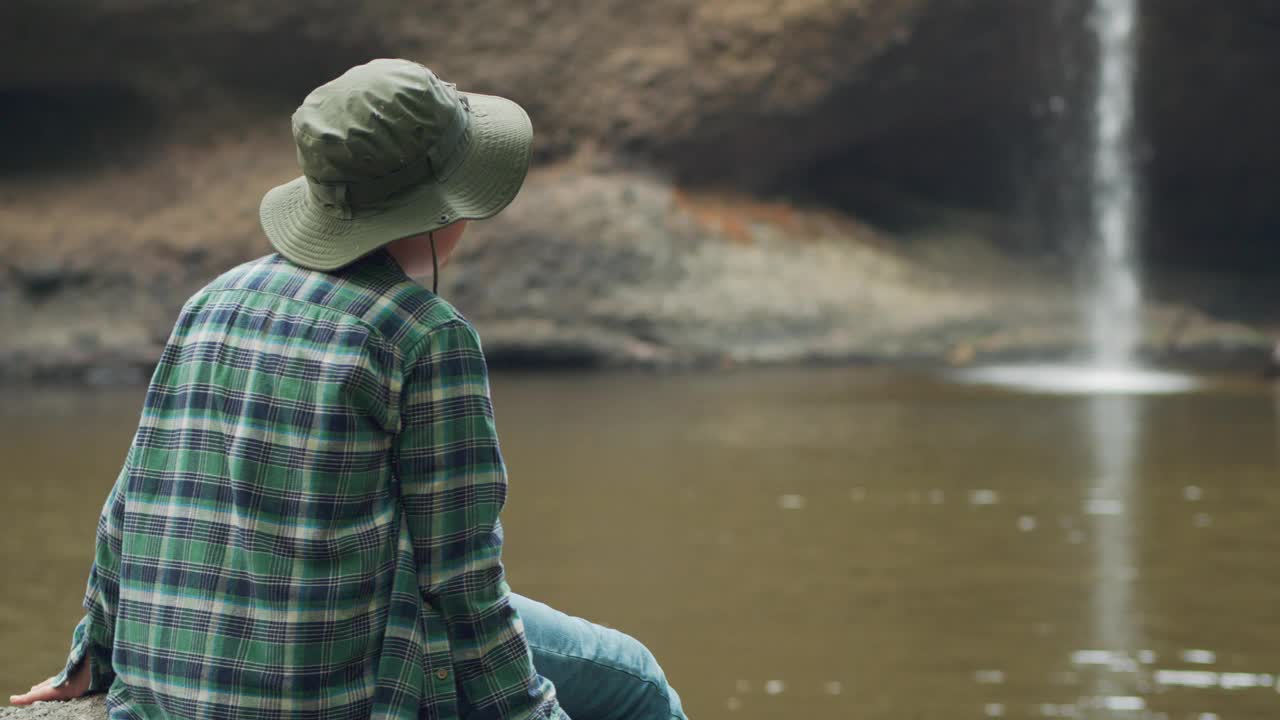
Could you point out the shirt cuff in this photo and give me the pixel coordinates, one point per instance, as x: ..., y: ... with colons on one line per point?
x: 83, y: 649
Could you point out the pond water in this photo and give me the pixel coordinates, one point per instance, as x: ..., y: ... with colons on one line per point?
x: 842, y: 543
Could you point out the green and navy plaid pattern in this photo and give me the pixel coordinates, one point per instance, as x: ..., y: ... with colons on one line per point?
x: 306, y: 524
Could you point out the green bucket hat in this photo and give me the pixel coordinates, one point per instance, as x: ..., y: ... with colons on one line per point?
x: 389, y: 150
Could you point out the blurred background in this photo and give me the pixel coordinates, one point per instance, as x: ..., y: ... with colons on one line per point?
x: 866, y: 358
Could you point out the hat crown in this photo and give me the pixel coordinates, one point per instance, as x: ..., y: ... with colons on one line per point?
x: 376, y: 121
x: 391, y: 151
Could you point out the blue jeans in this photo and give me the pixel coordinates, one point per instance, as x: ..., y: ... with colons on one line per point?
x: 599, y: 673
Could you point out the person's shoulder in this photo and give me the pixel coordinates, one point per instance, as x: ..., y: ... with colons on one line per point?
x: 393, y: 306
x: 407, y: 314
x: 237, y: 276
x: 452, y: 346
x: 441, y: 323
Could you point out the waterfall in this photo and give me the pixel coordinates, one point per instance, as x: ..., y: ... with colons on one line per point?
x: 1111, y: 298
x: 1114, y: 305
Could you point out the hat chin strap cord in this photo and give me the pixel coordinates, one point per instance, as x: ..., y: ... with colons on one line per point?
x: 435, y: 265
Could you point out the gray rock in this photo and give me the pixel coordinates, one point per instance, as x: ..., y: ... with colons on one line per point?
x: 93, y: 707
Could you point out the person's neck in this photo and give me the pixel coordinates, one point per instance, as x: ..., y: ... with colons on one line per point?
x: 411, y: 260
x: 422, y: 270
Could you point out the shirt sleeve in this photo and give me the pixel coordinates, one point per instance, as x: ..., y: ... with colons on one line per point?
x: 93, y: 636
x: 453, y: 484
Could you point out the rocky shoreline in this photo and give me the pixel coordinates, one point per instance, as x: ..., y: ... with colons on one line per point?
x: 600, y: 267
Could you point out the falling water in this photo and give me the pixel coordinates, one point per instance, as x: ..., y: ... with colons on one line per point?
x: 1114, y: 327
x: 1114, y: 305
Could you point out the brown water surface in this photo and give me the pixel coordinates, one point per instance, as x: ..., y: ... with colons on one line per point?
x: 838, y: 543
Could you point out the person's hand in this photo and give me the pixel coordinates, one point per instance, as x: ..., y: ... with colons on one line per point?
x: 77, y: 685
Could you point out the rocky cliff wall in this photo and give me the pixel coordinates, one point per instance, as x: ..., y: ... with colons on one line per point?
x: 716, y: 181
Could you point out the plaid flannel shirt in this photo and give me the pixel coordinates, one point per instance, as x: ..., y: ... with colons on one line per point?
x: 306, y: 524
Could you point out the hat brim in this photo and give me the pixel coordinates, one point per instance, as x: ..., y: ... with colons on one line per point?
x: 485, y: 180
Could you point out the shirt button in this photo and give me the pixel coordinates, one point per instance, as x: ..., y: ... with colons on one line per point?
x: 442, y: 674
